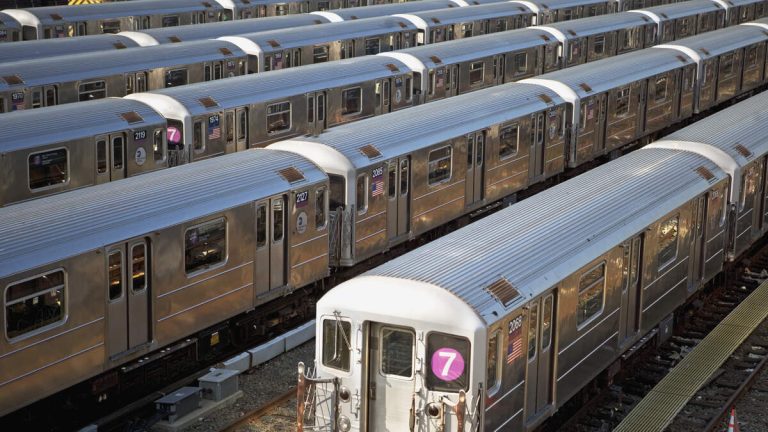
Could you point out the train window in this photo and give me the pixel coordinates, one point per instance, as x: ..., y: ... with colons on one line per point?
x: 176, y: 77
x: 141, y: 82
x: 470, y: 150
x: 726, y: 64
x: 2, y: 105
x: 138, y: 267
x: 92, y: 90
x: 278, y: 219
x: 567, y: 14
x: 37, y: 98
x: 493, y: 374
x: 320, y: 216
x: 501, y: 25
x: 404, y: 177
x: 466, y: 30
x: 449, y: 362
x: 111, y: 27
x: 230, y: 127
x: 101, y: 156
x: 51, y: 97
x: 622, y: 101
x: 509, y: 140
x: 320, y: 54
x: 476, y: 71
x: 129, y: 84
x: 598, y: 47
x: 170, y: 21
x: 281, y: 10
x: 352, y: 101
x: 35, y: 303
x: 397, y: 347
x: 261, y: 225
x: 311, y: 108
x: 337, y: 348
x: 118, y: 149
x: 385, y: 92
x: 278, y: 117
x: 392, y: 181
x: 362, y: 194
x: 668, y: 231
x: 218, y: 71
x: 546, y: 322
x: 521, y: 63
x: 408, y: 88
x: 533, y: 330
x: 591, y: 294
x: 751, y: 57
x: 48, y: 168
x: 440, y: 165
x: 158, y: 145
x: 372, y: 46
x: 660, y: 92
x: 242, y: 126
x: 748, y: 188
x: 115, y: 270
x: 431, y: 83
x: 197, y: 136
x: 323, y: 6
x: 205, y: 245
x: 207, y: 72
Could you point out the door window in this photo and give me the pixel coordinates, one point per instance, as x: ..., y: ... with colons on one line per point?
x: 546, y: 322
x: 336, y: 344
x: 261, y: 225
x: 139, y: 267
x: 392, y: 186
x: 449, y: 362
x: 277, y: 220
x: 115, y: 269
x: 117, y: 152
x: 493, y: 374
x: 591, y: 294
x: 320, y: 217
x: 101, y: 156
x: 403, y: 177
x: 533, y: 330
x: 397, y: 352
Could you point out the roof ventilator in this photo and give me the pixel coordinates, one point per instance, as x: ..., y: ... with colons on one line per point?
x: 370, y: 151
x: 174, y: 39
x: 208, y: 102
x: 547, y: 100
x: 291, y: 175
x: 392, y: 67
x: 119, y: 45
x: 503, y: 291
x: 585, y: 87
x: 742, y: 150
x: 13, y: 79
x: 132, y: 117
x: 273, y: 43
x: 56, y: 17
x: 435, y: 59
x: 225, y: 51
x: 705, y: 173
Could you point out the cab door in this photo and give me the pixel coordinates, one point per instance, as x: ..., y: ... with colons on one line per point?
x: 398, y: 194
x: 390, y: 382
x: 316, y: 107
x: 475, y: 180
x: 128, y: 295
x: 540, y: 356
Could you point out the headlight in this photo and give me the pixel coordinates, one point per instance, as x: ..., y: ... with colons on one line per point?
x: 344, y: 394
x: 433, y: 410
x: 344, y: 424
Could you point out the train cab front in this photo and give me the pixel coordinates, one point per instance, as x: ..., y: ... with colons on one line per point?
x: 393, y: 355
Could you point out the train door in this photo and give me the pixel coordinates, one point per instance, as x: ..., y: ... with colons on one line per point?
x: 128, y: 295
x: 539, y: 379
x: 383, y: 89
x: 398, y: 194
x: 241, y: 128
x: 498, y: 69
x: 536, y: 165
x: 452, y: 81
x: 316, y: 107
x: 475, y: 180
x: 270, y: 244
x: 629, y: 324
x: 110, y: 158
x: 698, y: 222
x: 390, y: 382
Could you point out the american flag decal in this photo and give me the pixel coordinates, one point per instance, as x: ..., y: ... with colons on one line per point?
x: 214, y: 129
x: 515, y: 340
x: 377, y: 188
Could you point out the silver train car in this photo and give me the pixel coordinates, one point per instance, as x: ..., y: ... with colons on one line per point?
x: 348, y: 194
x: 10, y: 29
x: 513, y: 332
x: 37, y: 49
x: 85, y: 77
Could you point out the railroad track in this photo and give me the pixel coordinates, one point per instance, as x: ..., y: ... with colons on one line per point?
x: 277, y: 414
x: 611, y: 404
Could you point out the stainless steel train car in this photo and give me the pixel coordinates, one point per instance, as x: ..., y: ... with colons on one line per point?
x: 10, y: 29
x: 37, y: 49
x: 110, y: 139
x: 399, y: 185
x: 212, y: 240
x: 680, y: 20
x: 513, y: 332
x: 67, y: 21
x: 84, y: 77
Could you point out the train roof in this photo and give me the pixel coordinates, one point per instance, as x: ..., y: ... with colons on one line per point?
x: 8, y: 22
x: 213, y: 30
x: 52, y: 15
x: 288, y: 38
x: 467, y: 14
x: 544, y: 5
x: 602, y: 75
x: 410, y: 130
x: 435, y: 55
x: 269, y: 86
x: 734, y: 3
x: 28, y: 129
x: 537, y: 243
x: 714, y: 43
x: 678, y: 10
x: 34, y: 49
x: 597, y: 24
x: 106, y: 214
x: 101, y: 64
x: 387, y: 9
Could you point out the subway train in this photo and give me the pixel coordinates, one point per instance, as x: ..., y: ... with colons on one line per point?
x: 154, y: 272
x: 86, y: 76
x: 495, y: 326
x: 55, y: 22
x: 257, y: 110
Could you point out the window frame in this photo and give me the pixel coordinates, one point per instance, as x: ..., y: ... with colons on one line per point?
x: 341, y: 321
x: 602, y: 280
x: 64, y: 183
x: 132, y: 247
x: 381, y: 352
x: 34, y: 332
x: 673, y: 258
x: 620, y: 97
x: 503, y: 157
x: 472, y: 68
x: 123, y: 283
x: 446, y: 179
x: 493, y: 389
x: 366, y: 182
x: 656, y: 97
x: 322, y: 209
x: 81, y: 92
x: 344, y: 101
x: 206, y: 268
x: 290, y: 118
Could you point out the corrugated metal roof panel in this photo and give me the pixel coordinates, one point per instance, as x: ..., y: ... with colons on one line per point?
x: 119, y: 9
x: 28, y: 50
x: 678, y: 10
x: 38, y: 127
x: 457, y: 15
x: 35, y: 233
x: 600, y: 24
x: 391, y: 9
x: 714, y: 43
x: 538, y: 242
